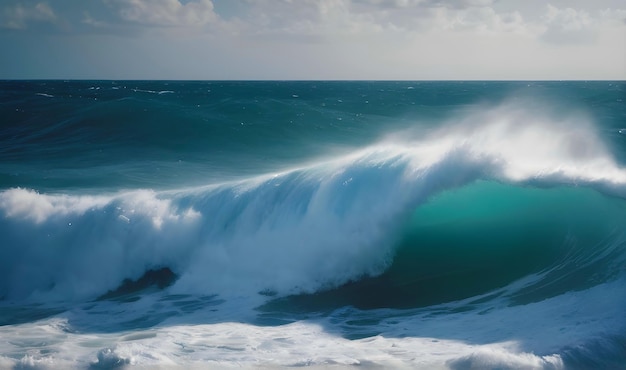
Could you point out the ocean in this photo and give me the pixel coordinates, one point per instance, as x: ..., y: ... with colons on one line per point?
x: 316, y: 224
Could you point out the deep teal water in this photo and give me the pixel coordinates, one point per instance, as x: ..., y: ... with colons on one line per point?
x: 361, y: 205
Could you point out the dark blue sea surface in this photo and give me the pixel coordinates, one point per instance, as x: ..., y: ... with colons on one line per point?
x: 271, y: 224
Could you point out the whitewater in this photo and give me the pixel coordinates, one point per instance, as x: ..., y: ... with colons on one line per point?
x: 381, y: 225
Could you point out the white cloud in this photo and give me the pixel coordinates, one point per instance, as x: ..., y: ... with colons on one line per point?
x: 307, y: 20
x: 615, y: 16
x: 398, y: 19
x: 18, y: 16
x: 373, y: 39
x: 428, y: 3
x: 568, y: 26
x: 483, y: 20
x: 166, y: 12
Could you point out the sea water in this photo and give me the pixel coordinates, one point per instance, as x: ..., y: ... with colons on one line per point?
x: 322, y: 224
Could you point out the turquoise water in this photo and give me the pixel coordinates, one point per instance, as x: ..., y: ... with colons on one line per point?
x: 322, y: 223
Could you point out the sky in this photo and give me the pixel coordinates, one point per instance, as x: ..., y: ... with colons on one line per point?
x: 313, y: 39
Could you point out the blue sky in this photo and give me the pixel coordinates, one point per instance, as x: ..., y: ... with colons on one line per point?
x: 313, y: 39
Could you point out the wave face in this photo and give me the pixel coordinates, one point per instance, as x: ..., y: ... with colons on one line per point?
x: 354, y: 213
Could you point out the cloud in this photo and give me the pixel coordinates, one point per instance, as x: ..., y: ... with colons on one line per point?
x: 398, y: 18
x: 166, y: 13
x: 565, y: 26
x: 483, y: 20
x: 307, y: 20
x: 614, y: 16
x: 320, y: 38
x: 458, y: 4
x: 568, y: 26
x: 19, y: 16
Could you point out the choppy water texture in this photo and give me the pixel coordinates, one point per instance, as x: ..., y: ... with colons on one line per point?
x: 452, y: 225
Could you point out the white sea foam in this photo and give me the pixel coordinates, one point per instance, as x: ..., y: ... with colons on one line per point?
x: 161, y: 92
x: 540, y: 335
x: 231, y: 345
